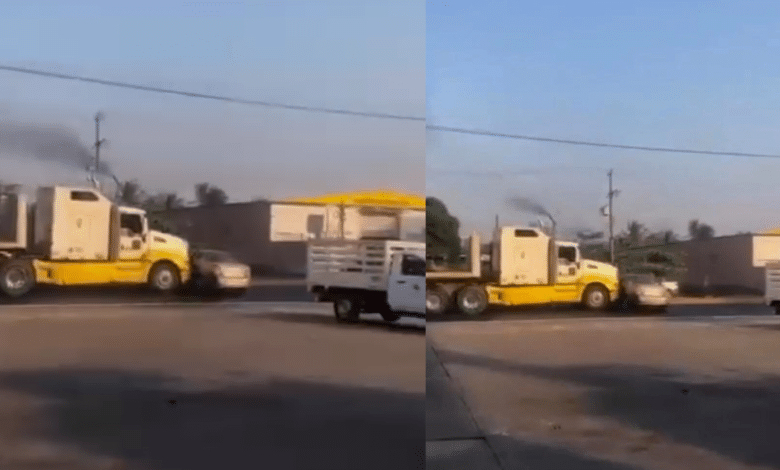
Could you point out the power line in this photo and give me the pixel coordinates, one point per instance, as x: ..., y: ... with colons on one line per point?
x: 207, y: 96
x: 595, y: 144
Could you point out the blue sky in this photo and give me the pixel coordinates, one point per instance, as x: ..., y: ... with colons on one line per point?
x: 686, y: 74
x: 359, y: 55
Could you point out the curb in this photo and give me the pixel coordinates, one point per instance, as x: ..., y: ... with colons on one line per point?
x: 717, y: 301
x: 260, y: 282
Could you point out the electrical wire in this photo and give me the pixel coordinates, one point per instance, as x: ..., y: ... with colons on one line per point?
x: 229, y: 99
x: 595, y: 144
x: 315, y: 109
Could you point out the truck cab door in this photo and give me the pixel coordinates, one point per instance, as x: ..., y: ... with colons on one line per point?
x: 568, y: 269
x: 132, y: 236
x: 406, y: 289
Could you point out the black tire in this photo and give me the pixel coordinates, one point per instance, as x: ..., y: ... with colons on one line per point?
x: 347, y: 308
x: 164, y: 277
x: 17, y: 277
x: 622, y: 303
x: 437, y: 301
x: 236, y: 293
x: 777, y: 309
x: 472, y: 300
x: 204, y: 286
x: 389, y: 315
x: 595, y: 298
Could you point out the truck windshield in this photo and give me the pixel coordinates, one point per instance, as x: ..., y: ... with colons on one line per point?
x: 132, y: 223
x: 412, y: 265
x: 567, y: 253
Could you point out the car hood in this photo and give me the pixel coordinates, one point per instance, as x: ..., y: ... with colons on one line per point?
x: 229, y: 269
x: 647, y: 288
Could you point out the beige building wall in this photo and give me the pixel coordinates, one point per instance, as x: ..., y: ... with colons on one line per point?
x: 272, y: 237
x: 242, y: 229
x: 299, y: 222
x: 723, y: 265
x: 726, y: 265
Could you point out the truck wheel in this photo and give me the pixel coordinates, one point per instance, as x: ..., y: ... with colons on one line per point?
x: 205, y: 285
x: 347, y: 309
x: 389, y: 315
x: 777, y: 309
x: 596, y: 298
x: 437, y: 301
x: 164, y: 277
x: 236, y: 293
x: 472, y: 300
x: 17, y: 277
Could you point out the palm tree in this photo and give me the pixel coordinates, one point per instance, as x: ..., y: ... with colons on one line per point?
x: 172, y: 201
x: 636, y: 233
x: 209, y: 195
x: 700, y: 231
x: 130, y: 193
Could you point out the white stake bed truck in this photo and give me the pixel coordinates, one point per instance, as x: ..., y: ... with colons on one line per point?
x: 372, y: 276
x: 772, y: 290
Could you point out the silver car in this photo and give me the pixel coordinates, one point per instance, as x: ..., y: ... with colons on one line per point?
x: 644, y: 290
x: 672, y: 286
x: 216, y: 271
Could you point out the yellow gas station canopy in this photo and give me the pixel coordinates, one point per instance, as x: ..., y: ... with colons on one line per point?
x: 378, y: 198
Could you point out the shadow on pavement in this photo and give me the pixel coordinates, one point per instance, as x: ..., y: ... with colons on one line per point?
x: 147, y: 421
x: 513, y: 453
x: 773, y: 327
x: 504, y: 313
x: 731, y: 418
x: 329, y: 320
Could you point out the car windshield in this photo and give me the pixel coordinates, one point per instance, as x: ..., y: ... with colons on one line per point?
x: 641, y: 278
x: 216, y: 256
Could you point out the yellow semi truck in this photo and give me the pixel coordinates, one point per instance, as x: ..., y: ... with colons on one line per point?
x: 77, y: 236
x: 524, y: 266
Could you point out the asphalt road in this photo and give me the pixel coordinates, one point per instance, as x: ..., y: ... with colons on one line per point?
x: 295, y: 291
x: 674, y: 311
x: 208, y: 386
x: 275, y: 292
x: 656, y: 393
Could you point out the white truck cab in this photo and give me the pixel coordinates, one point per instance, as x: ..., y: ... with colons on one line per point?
x: 406, y: 283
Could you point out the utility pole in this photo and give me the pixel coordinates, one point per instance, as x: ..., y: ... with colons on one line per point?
x: 98, y: 140
x: 612, y: 193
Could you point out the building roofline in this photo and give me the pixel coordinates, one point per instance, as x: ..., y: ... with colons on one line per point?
x: 721, y: 237
x: 294, y: 203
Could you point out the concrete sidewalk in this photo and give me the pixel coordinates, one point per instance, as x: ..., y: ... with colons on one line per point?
x: 453, y: 440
